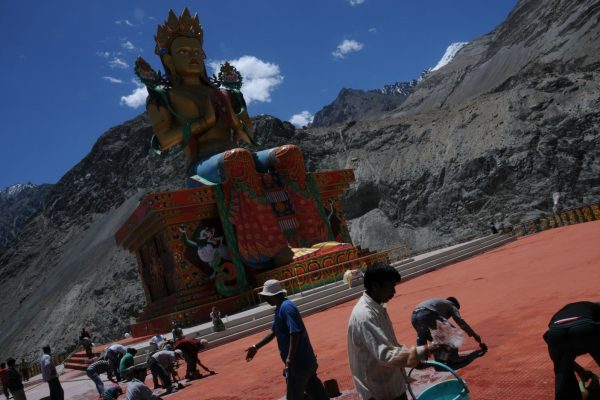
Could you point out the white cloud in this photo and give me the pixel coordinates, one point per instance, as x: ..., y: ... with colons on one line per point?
x: 112, y: 80
x: 127, y: 45
x: 347, y: 46
x: 372, y: 30
x: 260, y: 78
x: 136, y: 99
x: 116, y: 62
x: 355, y: 2
x: 124, y: 22
x: 302, y: 119
x: 103, y: 54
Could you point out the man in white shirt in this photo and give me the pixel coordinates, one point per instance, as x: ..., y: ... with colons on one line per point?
x: 113, y: 355
x: 50, y: 375
x: 377, y: 360
x: 157, y: 340
x: 136, y: 389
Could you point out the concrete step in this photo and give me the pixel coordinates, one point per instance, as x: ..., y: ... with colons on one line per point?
x: 79, y: 367
x: 83, y: 356
x: 259, y: 318
x: 470, y: 248
x: 82, y: 361
x: 307, y: 306
x: 243, y: 322
x: 454, y: 258
x: 338, y: 292
x: 442, y: 253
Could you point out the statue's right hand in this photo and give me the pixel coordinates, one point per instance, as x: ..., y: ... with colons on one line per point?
x: 182, y: 228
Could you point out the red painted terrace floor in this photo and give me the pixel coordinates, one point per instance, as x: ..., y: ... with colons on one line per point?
x: 507, y: 295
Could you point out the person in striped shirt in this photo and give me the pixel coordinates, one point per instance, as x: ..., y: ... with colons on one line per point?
x: 95, y: 369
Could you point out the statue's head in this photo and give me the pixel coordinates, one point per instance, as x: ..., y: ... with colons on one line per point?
x: 179, y: 45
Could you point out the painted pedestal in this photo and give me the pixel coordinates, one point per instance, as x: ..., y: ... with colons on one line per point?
x: 186, y: 263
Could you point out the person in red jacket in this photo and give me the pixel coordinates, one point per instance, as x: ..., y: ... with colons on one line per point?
x: 190, y: 348
x: 4, y: 379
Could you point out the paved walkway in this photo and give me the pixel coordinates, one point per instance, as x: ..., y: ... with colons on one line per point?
x: 507, y: 295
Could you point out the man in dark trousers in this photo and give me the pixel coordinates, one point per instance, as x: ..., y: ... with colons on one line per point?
x: 573, y: 331
x: 190, y: 348
x: 50, y: 375
x: 427, y: 313
x: 162, y: 364
x: 376, y: 359
x: 24, y: 370
x: 86, y: 341
x: 15, y: 381
x: 294, y: 345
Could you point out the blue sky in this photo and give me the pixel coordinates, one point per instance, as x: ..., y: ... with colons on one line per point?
x: 68, y: 76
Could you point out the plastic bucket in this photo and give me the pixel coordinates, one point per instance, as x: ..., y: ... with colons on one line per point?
x: 453, y: 389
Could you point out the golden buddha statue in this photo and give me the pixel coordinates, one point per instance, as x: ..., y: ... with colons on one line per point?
x: 266, y: 197
x: 185, y: 106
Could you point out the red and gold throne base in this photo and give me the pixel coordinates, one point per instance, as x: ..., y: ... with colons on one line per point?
x: 259, y: 231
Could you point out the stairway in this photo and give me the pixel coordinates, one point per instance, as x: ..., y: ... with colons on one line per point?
x: 450, y: 255
x: 80, y: 361
x: 184, y: 300
x: 259, y: 318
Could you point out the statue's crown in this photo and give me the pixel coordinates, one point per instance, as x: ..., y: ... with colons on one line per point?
x: 174, y: 27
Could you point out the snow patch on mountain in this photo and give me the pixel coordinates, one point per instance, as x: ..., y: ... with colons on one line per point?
x: 449, y: 54
x: 398, y: 88
x: 15, y: 189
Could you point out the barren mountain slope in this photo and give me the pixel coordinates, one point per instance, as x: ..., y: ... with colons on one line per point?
x: 538, y: 36
x: 491, y: 135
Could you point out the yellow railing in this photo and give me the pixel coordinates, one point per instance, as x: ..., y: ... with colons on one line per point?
x: 571, y: 216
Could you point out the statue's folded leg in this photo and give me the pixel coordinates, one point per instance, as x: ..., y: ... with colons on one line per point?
x: 206, y: 172
x: 259, y: 237
x: 289, y: 163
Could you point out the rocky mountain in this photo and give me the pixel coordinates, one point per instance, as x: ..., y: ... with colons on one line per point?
x: 71, y: 240
x: 360, y: 105
x: 398, y: 88
x: 492, y: 134
x: 513, y: 118
x: 18, y: 203
x: 538, y: 38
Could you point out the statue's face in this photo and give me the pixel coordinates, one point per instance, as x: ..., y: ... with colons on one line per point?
x: 186, y: 57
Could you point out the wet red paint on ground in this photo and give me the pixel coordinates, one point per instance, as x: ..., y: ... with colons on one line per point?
x: 507, y: 295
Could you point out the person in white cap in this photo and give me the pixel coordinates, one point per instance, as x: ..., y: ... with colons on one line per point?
x: 294, y: 345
